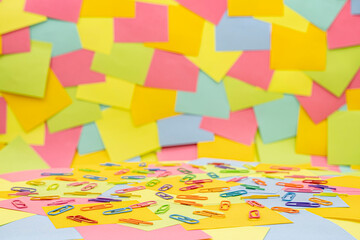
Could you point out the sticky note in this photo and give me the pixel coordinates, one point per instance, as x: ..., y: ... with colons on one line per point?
x: 253, y: 67
x: 108, y: 8
x: 254, y: 233
x: 256, y: 8
x: 320, y: 161
x: 120, y: 135
x: 26, y: 73
x: 63, y: 35
x: 182, y: 130
x: 353, y: 99
x: 242, y: 33
x: 151, y: 104
x: 186, y: 24
x: 343, y: 144
x: 355, y: 7
x: 160, y: 2
x: 208, y: 100
x: 149, y: 25
x: 172, y: 71
x: 114, y: 92
x: 176, y: 153
x: 302, y: 51
x: 67, y: 10
x: 76, y: 114
x: 2, y: 116
x: 12, y: 12
x: 277, y: 120
x: 291, y: 82
x: 127, y: 61
x: 251, y: 95
x: 30, y: 174
x: 91, y: 159
x: 349, y: 226
x: 90, y: 140
x: 16, y: 42
x: 31, y: 112
x: 9, y: 216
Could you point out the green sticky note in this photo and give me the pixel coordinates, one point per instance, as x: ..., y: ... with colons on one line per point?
x: 18, y: 156
x: 242, y: 95
x: 26, y: 73
x: 344, y: 138
x: 341, y: 66
x: 78, y: 113
x: 127, y: 61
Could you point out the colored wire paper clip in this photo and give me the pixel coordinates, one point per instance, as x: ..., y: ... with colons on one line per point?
x: 96, y: 207
x: 288, y: 196
x: 118, y: 211
x: 143, y: 204
x: 188, y: 203
x: 60, y: 210
x: 320, y: 201
x: 18, y: 204
x: 188, y: 178
x: 61, y: 202
x: 165, y: 187
x: 234, y: 193
x: 92, y: 177
x: 162, y: 209
x: 185, y: 171
x: 193, y: 197
x: 191, y: 187
x: 89, y: 187
x: 302, y: 204
x: 254, y: 214
x: 284, y: 209
x: 75, y: 184
x: 237, y: 179
x: 259, y: 182
x: 81, y: 193
x: 198, y: 181
x: 255, y: 204
x: 216, y: 189
x: 53, y: 187
x: 45, y: 198
x: 56, y: 174
x: 126, y: 195
x: 23, y: 189
x: 80, y: 219
x: 135, y: 221
x: 183, y: 219
x: 289, y: 185
x: 152, y: 183
x: 164, y: 195
x: 66, y: 179
x: 35, y: 183
x: 225, y: 205
x: 132, y: 189
x: 315, y: 181
x: 207, y: 213
x: 212, y: 175
x: 302, y: 190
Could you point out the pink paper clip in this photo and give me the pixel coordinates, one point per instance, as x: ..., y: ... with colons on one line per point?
x: 303, y: 190
x: 61, y: 202
x: 198, y: 181
x: 255, y: 204
x: 301, y: 176
x: 19, y: 204
x: 132, y: 189
x: 285, y: 168
x: 143, y: 204
x: 254, y: 214
x: 89, y: 187
x: 270, y: 171
x: 237, y: 179
x: 191, y: 187
x: 122, y: 171
x: 75, y: 184
x: 164, y: 174
x: 22, y: 194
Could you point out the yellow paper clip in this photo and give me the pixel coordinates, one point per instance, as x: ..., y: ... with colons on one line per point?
x: 330, y: 194
x: 209, y: 214
x: 168, y: 164
x: 45, y: 198
x: 53, y: 187
x: 81, y: 193
x: 127, y: 195
x: 35, y: 183
x: 273, y: 177
x: 215, y: 189
x: 259, y: 196
x: 197, y: 166
x: 120, y: 183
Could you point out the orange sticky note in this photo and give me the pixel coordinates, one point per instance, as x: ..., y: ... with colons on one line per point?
x: 256, y: 8
x: 108, y: 8
x: 353, y: 99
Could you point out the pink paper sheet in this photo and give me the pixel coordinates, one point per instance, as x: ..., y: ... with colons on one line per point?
x: 240, y: 127
x: 149, y: 25
x: 320, y: 161
x: 31, y: 174
x: 172, y: 71
x: 66, y: 10
x: 59, y: 148
x: 253, y: 67
x: 174, y: 170
x: 343, y: 190
x: 73, y: 68
x: 16, y: 42
x: 345, y: 30
x: 3, y: 113
x: 187, y: 152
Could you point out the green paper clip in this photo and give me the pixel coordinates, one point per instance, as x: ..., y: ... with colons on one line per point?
x: 188, y: 178
x: 163, y: 209
x: 119, y: 183
x: 88, y: 170
x: 152, y: 183
x: 252, y: 187
x: 143, y: 171
x: 233, y: 171
x: 271, y: 176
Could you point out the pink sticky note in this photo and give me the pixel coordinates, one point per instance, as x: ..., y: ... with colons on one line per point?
x: 2, y: 116
x: 240, y: 127
x: 178, y: 153
x: 149, y: 25
x: 16, y: 42
x: 253, y: 67
x: 341, y: 190
x: 174, y: 170
x: 345, y: 30
x: 211, y: 10
x: 172, y: 71
x: 66, y: 10
x: 320, y: 161
x: 59, y: 148
x: 31, y: 174
x: 73, y: 68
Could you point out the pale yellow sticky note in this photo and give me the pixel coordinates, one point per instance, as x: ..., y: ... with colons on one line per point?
x: 8, y: 216
x: 162, y: 2
x: 246, y: 233
x: 213, y: 63
x: 345, y: 181
x: 108, y: 8
x: 256, y: 7
x: 151, y: 104
x: 114, y: 92
x: 92, y: 159
x: 291, y: 82
x: 353, y: 99
x: 96, y: 34
x: 350, y: 226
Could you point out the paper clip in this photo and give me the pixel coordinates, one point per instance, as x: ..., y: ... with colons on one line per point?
x: 301, y: 176
x: 288, y: 196
x: 23, y: 189
x: 320, y: 201
x: 254, y: 214
x: 163, y: 209
x: 61, y: 202
x: 272, y: 177
x: 127, y: 195
x: 212, y: 175
x: 132, y: 189
x: 168, y: 164
x: 207, y: 213
x: 283, y: 209
x: 272, y: 171
x: 45, y: 198
x: 302, y: 204
x: 164, y: 195
x: 154, y: 169
x: 133, y: 177
x: 165, y: 187
x: 191, y: 187
x: 302, y: 190
x: 188, y: 203
x: 325, y: 194
x: 35, y: 183
x: 198, y: 181
x: 96, y: 207
x: 59, y: 210
x: 315, y: 181
x: 89, y: 187
x: 252, y: 187
x: 117, y: 211
x: 122, y: 171
x: 142, y: 164
x: 183, y: 219
x: 193, y: 197
x: 142, y: 204
x: 321, y: 186
x: 164, y: 174
x: 285, y: 168
x: 66, y: 179
x: 81, y: 193
x: 217, y: 163
x: 255, y: 204
x: 185, y: 171
x: 215, y: 189
x: 197, y: 166
x: 103, y: 199
x: 234, y: 193
x: 75, y: 184
x: 234, y: 171
x: 53, y: 187
x: 120, y: 183
x: 95, y: 177
x: 237, y: 179
x: 88, y: 170
x: 135, y: 221
x: 188, y: 178
x: 289, y: 185
x: 259, y: 182
x: 56, y: 174
x: 224, y: 167
x: 80, y: 219
x: 259, y: 196
x: 225, y: 205
x: 248, y: 166
x: 18, y: 204
x: 152, y: 183
x: 143, y: 171
x: 109, y: 164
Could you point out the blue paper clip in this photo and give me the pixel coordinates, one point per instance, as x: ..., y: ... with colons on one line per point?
x: 155, y: 169
x: 117, y: 211
x: 288, y: 196
x: 133, y: 177
x: 164, y: 195
x: 302, y: 204
x: 184, y: 219
x: 56, y: 174
x: 109, y: 164
x: 95, y: 177
x: 142, y: 164
x: 321, y: 186
x: 59, y: 210
x: 212, y: 175
x: 23, y: 189
x: 234, y: 193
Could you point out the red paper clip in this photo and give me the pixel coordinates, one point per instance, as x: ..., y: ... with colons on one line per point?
x: 259, y: 182
x: 122, y: 171
x: 80, y: 219
x: 254, y: 214
x: 315, y: 181
x: 134, y: 221
x: 237, y: 179
x: 66, y: 179
x: 217, y: 163
x: 19, y: 204
x: 75, y: 184
x: 198, y: 181
x: 284, y: 209
x: 89, y: 187
x: 191, y: 187
x: 164, y: 174
x: 289, y: 185
x: 255, y: 204
x: 193, y: 197
x: 132, y: 189
x: 225, y: 205
x: 285, y: 168
x: 188, y: 203
x: 143, y: 204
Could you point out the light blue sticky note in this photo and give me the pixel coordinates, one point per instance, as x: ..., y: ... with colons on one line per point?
x: 321, y: 13
x: 355, y: 7
x: 182, y: 130
x: 242, y: 33
x: 90, y: 139
x: 277, y: 120
x: 343, y: 108
x: 233, y: 163
x: 36, y: 228
x: 209, y: 99
x: 63, y: 35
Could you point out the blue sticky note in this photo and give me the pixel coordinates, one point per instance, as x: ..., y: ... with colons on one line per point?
x: 182, y: 130
x: 355, y: 7
x: 63, y: 35
x: 277, y: 120
x: 209, y: 99
x: 321, y: 13
x: 242, y: 33
x: 90, y: 140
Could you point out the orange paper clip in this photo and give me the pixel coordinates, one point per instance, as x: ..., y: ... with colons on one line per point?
x: 188, y: 203
x: 135, y: 221
x: 209, y: 214
x: 198, y: 181
x: 320, y: 201
x: 289, y: 185
x: 216, y: 189
x: 80, y: 219
x: 96, y: 207
x: 45, y: 198
x: 225, y: 205
x: 284, y: 209
x: 66, y: 179
x: 259, y: 182
x: 193, y: 197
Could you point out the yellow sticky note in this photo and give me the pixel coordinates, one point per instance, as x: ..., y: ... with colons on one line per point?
x: 353, y: 99
x: 351, y: 227
x: 185, y: 32
x: 114, y: 92
x: 96, y: 34
x: 311, y: 138
x: 151, y: 104
x: 294, y: 50
x: 31, y: 112
x: 13, y: 16
x: 291, y: 82
x: 253, y: 233
x: 255, y: 8
x: 8, y: 216
x: 122, y: 139
x: 162, y: 2
x: 345, y: 181
x: 92, y: 159
x: 226, y: 149
x: 108, y: 8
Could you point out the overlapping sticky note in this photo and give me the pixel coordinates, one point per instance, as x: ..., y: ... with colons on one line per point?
x: 90, y: 140
x: 291, y: 82
x: 15, y: 42
x: 353, y: 99
x: 2, y: 116
x: 108, y: 8
x: 256, y: 8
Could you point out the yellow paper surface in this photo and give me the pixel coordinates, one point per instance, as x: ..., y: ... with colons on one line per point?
x: 345, y: 181
x: 255, y: 8
x: 351, y: 227
x: 213, y: 63
x: 108, y: 8
x: 92, y: 159
x: 246, y: 233
x: 2, y: 145
x: 163, y: 2
x: 291, y: 82
x: 8, y: 216
x: 353, y: 99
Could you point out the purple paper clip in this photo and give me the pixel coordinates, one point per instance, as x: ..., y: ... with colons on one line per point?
x: 164, y: 195
x: 61, y: 202
x: 165, y: 187
x: 103, y: 199
x: 224, y: 167
x: 302, y: 204
x: 237, y: 179
x: 23, y: 189
x: 321, y: 186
